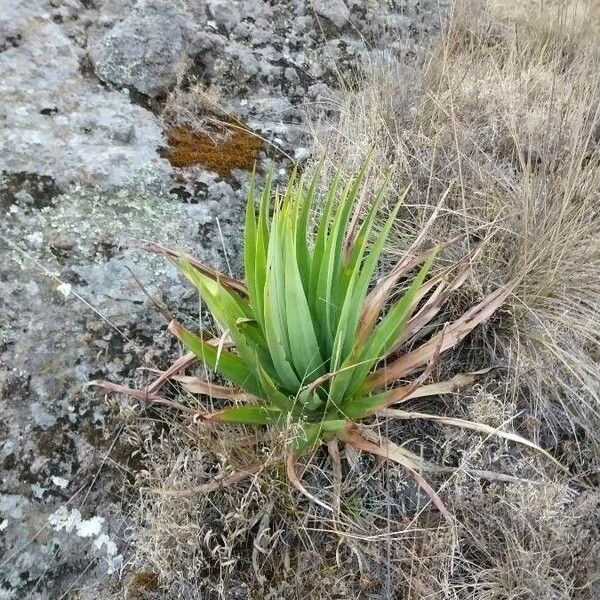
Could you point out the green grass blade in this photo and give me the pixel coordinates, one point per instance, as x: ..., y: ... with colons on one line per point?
x: 362, y: 238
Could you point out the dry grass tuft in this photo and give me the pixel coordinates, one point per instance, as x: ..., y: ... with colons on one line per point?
x: 504, y: 118
x: 255, y: 538
x: 514, y: 542
x: 507, y: 119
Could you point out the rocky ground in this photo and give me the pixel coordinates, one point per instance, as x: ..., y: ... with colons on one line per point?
x: 85, y: 177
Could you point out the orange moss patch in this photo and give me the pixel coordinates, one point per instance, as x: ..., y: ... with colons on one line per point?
x: 230, y: 146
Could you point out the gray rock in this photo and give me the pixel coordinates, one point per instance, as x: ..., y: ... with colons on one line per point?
x: 147, y: 50
x: 76, y: 314
x: 333, y: 10
x: 57, y: 123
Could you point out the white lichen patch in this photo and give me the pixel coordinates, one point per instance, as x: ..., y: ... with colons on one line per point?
x: 13, y: 506
x: 41, y: 416
x: 60, y: 482
x: 64, y: 289
x: 71, y: 521
x: 114, y: 559
x: 38, y: 491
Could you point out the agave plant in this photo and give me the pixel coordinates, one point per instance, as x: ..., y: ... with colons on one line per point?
x: 311, y: 342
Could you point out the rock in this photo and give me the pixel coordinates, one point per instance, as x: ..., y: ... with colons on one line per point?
x: 146, y: 51
x: 56, y: 123
x: 56, y: 435
x: 333, y: 10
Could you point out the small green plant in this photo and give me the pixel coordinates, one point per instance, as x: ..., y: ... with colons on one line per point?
x: 311, y: 343
x: 305, y: 333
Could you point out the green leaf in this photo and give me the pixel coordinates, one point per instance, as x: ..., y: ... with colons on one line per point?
x: 229, y: 309
x: 387, y: 332
x: 226, y: 306
x: 340, y: 231
x: 356, y: 286
x: 328, y: 282
x: 352, y: 363
x: 248, y: 415
x: 319, y: 249
x: 360, y: 406
x: 259, y: 266
x: 276, y: 331
x: 310, y: 399
x: 305, y: 198
x: 304, y: 347
x: 277, y: 398
x: 307, y: 438
x: 224, y: 362
x: 250, y: 235
x: 310, y: 435
x: 250, y: 330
